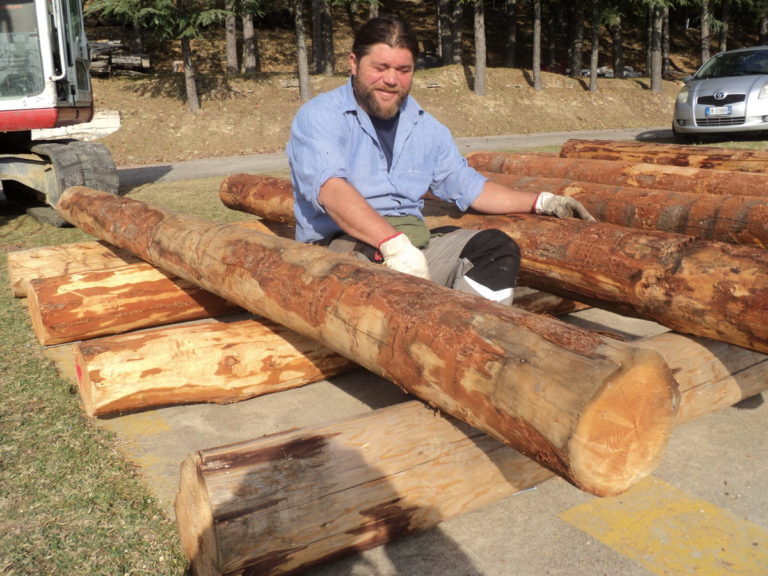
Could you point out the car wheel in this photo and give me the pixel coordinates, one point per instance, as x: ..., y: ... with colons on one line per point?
x: 681, y: 138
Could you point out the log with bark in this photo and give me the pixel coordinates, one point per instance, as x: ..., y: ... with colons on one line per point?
x: 91, y: 304
x: 739, y: 220
x: 670, y: 154
x: 595, y: 411
x: 709, y: 289
x: 61, y: 259
x: 213, y: 361
x: 294, y: 500
x: 25, y: 265
x: 218, y: 360
x: 624, y: 173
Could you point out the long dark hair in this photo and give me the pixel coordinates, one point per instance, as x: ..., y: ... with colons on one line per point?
x: 389, y: 30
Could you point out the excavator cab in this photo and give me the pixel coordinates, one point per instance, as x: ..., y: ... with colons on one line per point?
x: 44, y: 83
x: 44, y: 80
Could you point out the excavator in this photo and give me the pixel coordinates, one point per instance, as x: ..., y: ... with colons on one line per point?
x: 45, y: 83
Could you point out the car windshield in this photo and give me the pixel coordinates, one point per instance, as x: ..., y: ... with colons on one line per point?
x: 735, y: 64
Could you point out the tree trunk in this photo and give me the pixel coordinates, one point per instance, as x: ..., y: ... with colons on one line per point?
x: 577, y: 39
x: 665, y: 64
x: 213, y: 361
x: 763, y: 28
x: 551, y: 39
x: 624, y: 173
x: 668, y: 154
x: 190, y: 76
x: 322, y: 38
x: 510, y: 36
x: 594, y: 51
x: 704, y: 31
x: 725, y: 16
x: 457, y: 31
x: 536, y: 63
x: 251, y: 57
x: 365, y: 481
x: 445, y: 31
x: 90, y: 304
x: 329, y: 53
x: 305, y: 92
x: 230, y: 34
x: 26, y: 265
x: 741, y: 220
x: 373, y: 9
x: 406, y: 329
x: 617, y: 41
x: 656, y: 50
x: 138, y: 36
x: 480, y: 47
x: 709, y: 289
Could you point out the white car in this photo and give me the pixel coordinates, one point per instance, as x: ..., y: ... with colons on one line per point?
x: 727, y: 95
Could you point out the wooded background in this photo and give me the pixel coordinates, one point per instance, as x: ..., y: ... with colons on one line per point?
x: 571, y: 37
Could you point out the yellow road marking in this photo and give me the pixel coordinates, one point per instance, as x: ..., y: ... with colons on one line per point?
x: 672, y: 533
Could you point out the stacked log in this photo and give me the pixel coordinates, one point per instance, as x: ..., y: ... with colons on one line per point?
x: 36, y: 263
x: 91, y: 304
x: 452, y: 350
x: 287, y: 502
x: 739, y: 220
x: 670, y: 154
x: 709, y: 289
x: 624, y: 173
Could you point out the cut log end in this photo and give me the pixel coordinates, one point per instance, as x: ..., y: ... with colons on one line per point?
x: 194, y: 517
x: 622, y: 433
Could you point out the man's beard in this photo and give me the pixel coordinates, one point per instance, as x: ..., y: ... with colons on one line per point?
x: 366, y: 96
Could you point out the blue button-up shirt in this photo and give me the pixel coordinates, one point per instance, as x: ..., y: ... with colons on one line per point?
x: 332, y: 136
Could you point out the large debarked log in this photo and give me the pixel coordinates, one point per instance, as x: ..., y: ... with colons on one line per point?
x: 739, y: 220
x: 624, y: 173
x: 671, y: 154
x: 594, y: 411
x: 709, y: 289
x: 284, y: 503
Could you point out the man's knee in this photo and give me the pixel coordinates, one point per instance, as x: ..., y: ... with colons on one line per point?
x: 495, y: 260
x: 491, y: 264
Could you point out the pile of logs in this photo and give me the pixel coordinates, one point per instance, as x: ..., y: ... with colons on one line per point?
x: 110, y: 56
x: 524, y: 395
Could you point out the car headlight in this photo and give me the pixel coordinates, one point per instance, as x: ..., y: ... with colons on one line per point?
x: 763, y: 91
x: 682, y: 96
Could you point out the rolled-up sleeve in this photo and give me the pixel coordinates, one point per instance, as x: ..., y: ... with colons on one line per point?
x: 454, y: 180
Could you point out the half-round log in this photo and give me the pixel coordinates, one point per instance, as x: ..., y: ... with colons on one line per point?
x: 211, y: 361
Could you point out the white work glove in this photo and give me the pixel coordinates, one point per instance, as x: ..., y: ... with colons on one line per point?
x: 561, y: 206
x: 399, y: 254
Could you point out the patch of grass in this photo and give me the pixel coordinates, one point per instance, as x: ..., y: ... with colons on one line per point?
x: 69, y: 502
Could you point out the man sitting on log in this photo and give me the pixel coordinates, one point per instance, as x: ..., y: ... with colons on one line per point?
x: 362, y: 157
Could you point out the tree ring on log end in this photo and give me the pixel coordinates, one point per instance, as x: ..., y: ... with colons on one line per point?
x: 622, y: 433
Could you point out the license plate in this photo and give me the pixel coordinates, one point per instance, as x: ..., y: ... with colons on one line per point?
x: 718, y: 110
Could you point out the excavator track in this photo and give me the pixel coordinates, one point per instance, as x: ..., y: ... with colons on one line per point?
x: 61, y: 164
